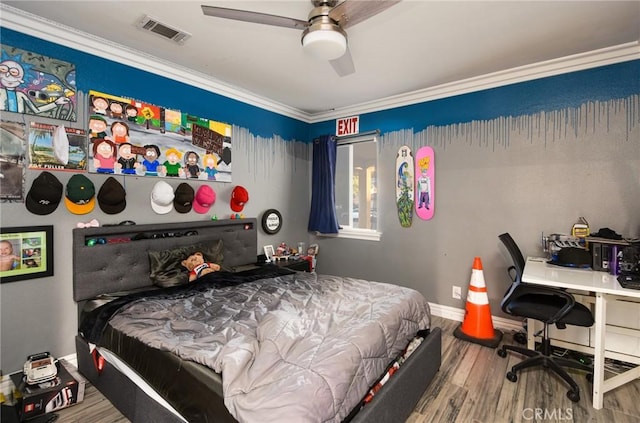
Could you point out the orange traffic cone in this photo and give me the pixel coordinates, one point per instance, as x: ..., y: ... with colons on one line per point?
x: 477, y: 325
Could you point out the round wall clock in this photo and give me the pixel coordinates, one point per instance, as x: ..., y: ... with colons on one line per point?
x: 271, y: 221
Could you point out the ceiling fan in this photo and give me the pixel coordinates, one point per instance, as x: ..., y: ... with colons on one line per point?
x: 323, y: 33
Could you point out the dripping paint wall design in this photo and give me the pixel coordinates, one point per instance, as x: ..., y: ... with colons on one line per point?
x: 528, y: 174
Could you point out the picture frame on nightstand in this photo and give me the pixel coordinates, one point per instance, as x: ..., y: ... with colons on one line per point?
x: 269, y: 252
x: 313, y: 250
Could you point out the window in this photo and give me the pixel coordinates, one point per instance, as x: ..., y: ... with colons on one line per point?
x: 356, y: 186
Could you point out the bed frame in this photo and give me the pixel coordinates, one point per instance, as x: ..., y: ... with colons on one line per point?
x: 116, y: 263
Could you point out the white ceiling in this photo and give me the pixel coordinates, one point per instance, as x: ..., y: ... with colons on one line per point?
x: 411, y: 46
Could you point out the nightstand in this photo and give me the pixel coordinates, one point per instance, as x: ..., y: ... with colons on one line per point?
x: 299, y: 264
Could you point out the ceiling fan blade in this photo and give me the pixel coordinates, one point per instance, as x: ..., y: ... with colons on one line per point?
x: 343, y: 65
x: 351, y: 12
x: 254, y: 17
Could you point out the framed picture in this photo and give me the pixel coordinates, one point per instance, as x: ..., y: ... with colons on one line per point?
x: 269, y: 252
x: 313, y: 250
x: 158, y: 142
x: 26, y: 253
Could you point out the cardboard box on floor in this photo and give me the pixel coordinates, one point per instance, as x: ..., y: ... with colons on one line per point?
x: 65, y: 390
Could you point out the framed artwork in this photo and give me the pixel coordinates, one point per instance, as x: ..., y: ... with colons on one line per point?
x: 26, y: 253
x: 38, y: 85
x: 132, y: 137
x: 54, y: 147
x: 12, y: 166
x: 269, y: 252
x: 313, y: 250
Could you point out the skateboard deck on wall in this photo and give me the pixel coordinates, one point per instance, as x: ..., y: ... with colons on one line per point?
x: 425, y: 183
x: 404, y: 186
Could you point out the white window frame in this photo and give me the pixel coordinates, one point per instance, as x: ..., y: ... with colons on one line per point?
x: 349, y: 231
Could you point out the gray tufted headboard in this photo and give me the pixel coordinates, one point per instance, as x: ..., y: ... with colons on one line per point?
x: 119, y: 265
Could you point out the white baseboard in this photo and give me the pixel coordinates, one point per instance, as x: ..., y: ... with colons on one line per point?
x: 457, y: 314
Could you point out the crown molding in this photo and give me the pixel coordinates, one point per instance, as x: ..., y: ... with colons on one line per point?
x: 36, y: 26
x: 54, y: 32
x: 577, y: 62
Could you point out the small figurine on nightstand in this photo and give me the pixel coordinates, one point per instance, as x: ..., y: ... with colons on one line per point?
x: 312, y: 254
x: 282, y: 249
x: 282, y: 252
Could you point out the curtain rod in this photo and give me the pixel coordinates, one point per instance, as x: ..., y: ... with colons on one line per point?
x: 353, y: 138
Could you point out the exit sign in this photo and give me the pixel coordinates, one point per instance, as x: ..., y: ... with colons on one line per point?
x: 348, y: 126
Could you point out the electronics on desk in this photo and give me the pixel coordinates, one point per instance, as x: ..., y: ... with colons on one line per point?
x: 629, y: 260
x: 626, y: 254
x: 40, y: 368
x: 629, y: 281
x: 567, y: 244
x: 552, y: 244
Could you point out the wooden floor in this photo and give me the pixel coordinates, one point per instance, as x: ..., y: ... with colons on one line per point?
x: 469, y: 388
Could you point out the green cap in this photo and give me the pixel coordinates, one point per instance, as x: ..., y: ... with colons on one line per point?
x: 80, y: 195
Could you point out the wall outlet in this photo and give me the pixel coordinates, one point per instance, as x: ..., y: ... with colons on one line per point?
x: 457, y: 293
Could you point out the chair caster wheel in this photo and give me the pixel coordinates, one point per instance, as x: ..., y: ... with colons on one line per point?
x: 520, y: 338
x: 573, y: 396
x: 502, y: 353
x: 512, y: 377
x: 590, y: 377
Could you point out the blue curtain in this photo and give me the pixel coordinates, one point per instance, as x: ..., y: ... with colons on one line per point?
x: 323, y: 199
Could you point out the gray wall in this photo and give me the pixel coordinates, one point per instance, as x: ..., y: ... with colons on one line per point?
x: 40, y: 314
x: 521, y: 183
x: 524, y: 175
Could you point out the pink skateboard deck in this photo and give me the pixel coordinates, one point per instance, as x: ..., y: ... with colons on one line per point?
x: 425, y: 183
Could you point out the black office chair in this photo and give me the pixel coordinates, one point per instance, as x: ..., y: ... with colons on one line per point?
x: 549, y: 306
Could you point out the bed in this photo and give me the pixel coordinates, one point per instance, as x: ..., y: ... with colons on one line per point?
x: 249, y: 343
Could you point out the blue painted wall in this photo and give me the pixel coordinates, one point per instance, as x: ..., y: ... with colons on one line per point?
x: 552, y: 93
x: 95, y: 73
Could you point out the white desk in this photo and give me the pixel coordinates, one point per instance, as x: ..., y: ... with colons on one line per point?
x: 604, y: 286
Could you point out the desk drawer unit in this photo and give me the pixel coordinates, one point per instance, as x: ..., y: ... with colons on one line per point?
x: 622, y: 332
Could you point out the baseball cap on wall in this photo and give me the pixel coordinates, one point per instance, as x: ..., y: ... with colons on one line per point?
x: 80, y: 195
x: 204, y: 199
x: 112, y: 196
x: 45, y: 194
x: 162, y: 197
x: 239, y: 196
x: 183, y: 198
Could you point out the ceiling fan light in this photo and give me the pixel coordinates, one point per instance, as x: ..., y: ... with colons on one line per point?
x: 325, y: 44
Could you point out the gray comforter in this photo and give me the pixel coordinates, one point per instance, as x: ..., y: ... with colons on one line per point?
x: 295, y: 348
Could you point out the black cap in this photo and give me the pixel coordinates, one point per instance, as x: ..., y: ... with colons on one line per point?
x: 573, y: 257
x: 183, y: 199
x: 45, y: 194
x: 608, y: 234
x: 111, y: 197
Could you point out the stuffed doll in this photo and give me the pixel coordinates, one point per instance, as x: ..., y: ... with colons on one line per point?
x: 198, y: 267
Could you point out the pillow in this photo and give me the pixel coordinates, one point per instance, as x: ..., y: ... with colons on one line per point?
x: 166, y: 265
